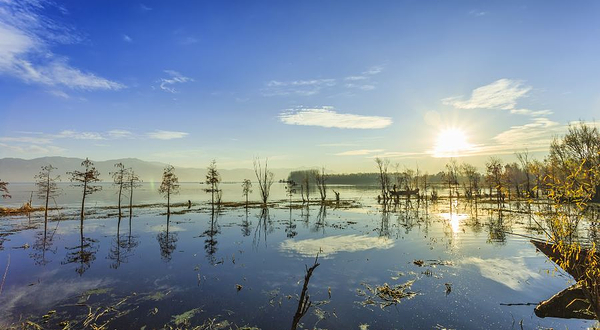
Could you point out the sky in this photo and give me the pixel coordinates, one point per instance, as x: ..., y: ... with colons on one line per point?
x: 302, y: 83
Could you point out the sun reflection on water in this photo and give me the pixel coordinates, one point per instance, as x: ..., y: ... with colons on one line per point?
x: 455, y: 220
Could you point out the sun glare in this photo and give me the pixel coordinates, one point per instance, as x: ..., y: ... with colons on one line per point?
x: 451, y: 142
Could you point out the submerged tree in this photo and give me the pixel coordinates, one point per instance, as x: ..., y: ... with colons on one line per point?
x: 265, y: 179
x: 120, y: 179
x: 321, y: 180
x: 494, y: 178
x: 47, y: 187
x: 169, y: 185
x: 213, y: 178
x: 131, y: 183
x: 86, y: 180
x: 383, y: 177
x: 246, y: 189
x: 4, y: 190
x: 167, y: 242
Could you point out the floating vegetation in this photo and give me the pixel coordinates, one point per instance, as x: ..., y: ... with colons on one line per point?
x: 184, y: 318
x: 386, y: 295
x: 431, y: 263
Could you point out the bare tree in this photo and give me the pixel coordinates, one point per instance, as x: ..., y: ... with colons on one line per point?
x: 494, y: 178
x: 131, y: 183
x: 246, y: 189
x: 265, y: 179
x: 321, y: 180
x: 451, y: 175
x: 473, y: 177
x: 526, y: 166
x: 384, y: 178
x: 47, y: 187
x: 119, y: 179
x: 213, y: 178
x: 304, y: 303
x: 86, y: 180
x: 169, y: 185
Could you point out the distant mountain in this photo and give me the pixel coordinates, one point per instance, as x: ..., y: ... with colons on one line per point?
x: 24, y: 170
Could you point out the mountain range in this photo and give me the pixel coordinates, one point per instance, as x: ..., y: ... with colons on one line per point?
x: 24, y: 170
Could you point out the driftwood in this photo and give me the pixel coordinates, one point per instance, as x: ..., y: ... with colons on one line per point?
x: 570, y: 303
x: 304, y: 303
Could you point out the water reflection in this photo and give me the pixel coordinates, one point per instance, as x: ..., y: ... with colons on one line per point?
x: 83, y: 254
x: 167, y: 242
x: 331, y: 245
x: 210, y: 234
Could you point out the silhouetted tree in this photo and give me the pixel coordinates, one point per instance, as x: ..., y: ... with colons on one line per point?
x: 131, y: 183
x: 246, y: 189
x: 86, y: 180
x: 471, y: 187
x: 169, y: 186
x: 265, y: 179
x: 213, y: 178
x: 321, y: 180
x: 383, y: 178
x: 120, y: 179
x: 4, y: 189
x: 47, y: 187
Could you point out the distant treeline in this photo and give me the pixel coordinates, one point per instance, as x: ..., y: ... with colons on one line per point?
x: 367, y: 179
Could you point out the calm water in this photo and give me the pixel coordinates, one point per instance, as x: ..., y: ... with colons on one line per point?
x: 246, y: 267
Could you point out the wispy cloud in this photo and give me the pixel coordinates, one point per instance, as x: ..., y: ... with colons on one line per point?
x: 166, y: 84
x: 361, y: 152
x: 328, y: 117
x: 26, y: 37
x: 143, y: 7
x: 297, y: 87
x: 166, y: 135
x: 502, y: 94
x: 127, y: 38
x: 68, y: 134
x: 477, y: 13
x: 120, y: 134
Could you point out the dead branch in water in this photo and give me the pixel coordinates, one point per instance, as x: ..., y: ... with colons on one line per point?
x: 5, y: 272
x: 304, y: 303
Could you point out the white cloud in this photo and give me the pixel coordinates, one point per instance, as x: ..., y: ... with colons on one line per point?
x: 364, y: 87
x: 327, y: 117
x: 127, y: 38
x: 32, y: 149
x: 25, y: 40
x: 166, y: 84
x: 361, y: 152
x: 26, y: 139
x: 297, y: 87
x: 501, y: 94
x: 477, y: 13
x: 328, y: 246
x: 144, y: 7
x: 68, y: 134
x: 119, y: 134
x: 512, y: 273
x: 166, y: 135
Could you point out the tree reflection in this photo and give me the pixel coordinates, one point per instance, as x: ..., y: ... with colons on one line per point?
x: 166, y: 242
x: 83, y: 254
x: 264, y: 227
x: 43, y: 244
x: 290, y: 227
x: 321, y: 219
x: 246, y: 225
x: 121, y: 246
x: 210, y: 243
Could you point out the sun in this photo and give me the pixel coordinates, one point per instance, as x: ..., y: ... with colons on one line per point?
x: 451, y: 142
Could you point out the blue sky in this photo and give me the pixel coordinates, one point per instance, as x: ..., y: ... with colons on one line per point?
x: 305, y: 83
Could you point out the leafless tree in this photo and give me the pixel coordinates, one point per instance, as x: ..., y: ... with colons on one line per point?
x: 321, y: 181
x: 246, y: 189
x: 4, y: 189
x: 119, y: 180
x: 169, y: 185
x: 526, y: 166
x: 451, y: 175
x: 265, y: 179
x: 213, y: 178
x: 494, y: 177
x: 471, y: 187
x: 86, y: 179
x: 383, y: 178
x: 47, y: 187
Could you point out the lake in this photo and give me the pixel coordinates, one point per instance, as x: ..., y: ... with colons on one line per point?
x: 457, y: 266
